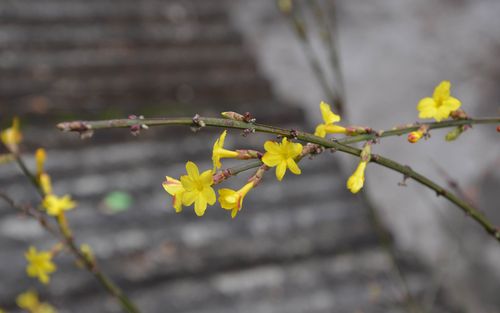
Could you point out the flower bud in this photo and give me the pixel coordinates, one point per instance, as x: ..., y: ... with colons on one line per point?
x: 415, y: 136
x: 454, y: 133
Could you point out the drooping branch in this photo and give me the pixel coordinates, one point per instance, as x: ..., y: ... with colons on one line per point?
x: 85, y: 126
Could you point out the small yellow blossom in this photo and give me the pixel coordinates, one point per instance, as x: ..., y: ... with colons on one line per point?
x: 329, y: 118
x: 45, y: 308
x: 12, y: 136
x: 39, y: 264
x: 56, y: 205
x: 40, y: 157
x: 415, y: 136
x: 282, y: 155
x: 219, y: 152
x: 440, y: 105
x: 357, y: 179
x: 285, y: 6
x: 197, y: 188
x: 29, y: 302
x: 232, y: 200
x: 175, y: 189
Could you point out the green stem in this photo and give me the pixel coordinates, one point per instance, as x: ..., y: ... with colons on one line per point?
x: 407, y: 129
x: 83, y: 126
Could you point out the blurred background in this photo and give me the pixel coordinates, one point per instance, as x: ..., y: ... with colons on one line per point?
x: 303, y: 245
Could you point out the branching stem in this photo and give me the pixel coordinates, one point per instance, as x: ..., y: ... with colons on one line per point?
x: 339, y: 145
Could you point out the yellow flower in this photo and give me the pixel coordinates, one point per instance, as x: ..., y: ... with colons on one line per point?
x: 232, y: 200
x: 285, y: 6
x: 357, y: 179
x: 28, y: 300
x: 415, y: 136
x: 282, y: 155
x: 39, y: 264
x: 219, y: 152
x: 329, y: 118
x: 175, y: 189
x: 197, y: 188
x: 440, y: 105
x: 40, y: 157
x: 45, y: 308
x: 11, y: 137
x: 56, y: 205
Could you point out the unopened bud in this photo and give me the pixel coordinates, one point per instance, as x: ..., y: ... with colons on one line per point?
x: 233, y: 116
x: 415, y: 136
x: 454, y: 133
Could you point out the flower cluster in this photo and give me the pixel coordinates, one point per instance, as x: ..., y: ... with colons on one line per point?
x: 195, y: 188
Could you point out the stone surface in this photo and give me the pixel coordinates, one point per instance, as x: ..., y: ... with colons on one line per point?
x: 304, y: 245
x: 393, y: 53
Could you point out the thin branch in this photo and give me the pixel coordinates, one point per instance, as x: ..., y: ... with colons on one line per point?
x: 398, y: 131
x: 89, y: 263
x: 300, y: 31
x: 85, y: 126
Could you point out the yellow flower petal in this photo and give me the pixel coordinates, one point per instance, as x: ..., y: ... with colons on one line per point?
x: 326, y: 112
x: 452, y: 103
x: 427, y: 108
x: 320, y: 131
x: 442, y: 91
x: 271, y: 160
x: 200, y: 205
x: 335, y: 129
x: 177, y: 202
x: 209, y: 195
x: 172, y: 185
x: 280, y: 170
x: 206, y: 178
x: 293, y: 167
x: 188, y: 197
x: 272, y: 147
x: 192, y: 170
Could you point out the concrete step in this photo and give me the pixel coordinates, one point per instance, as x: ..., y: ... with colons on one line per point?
x: 77, y: 36
x: 29, y: 12
x: 49, y: 64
